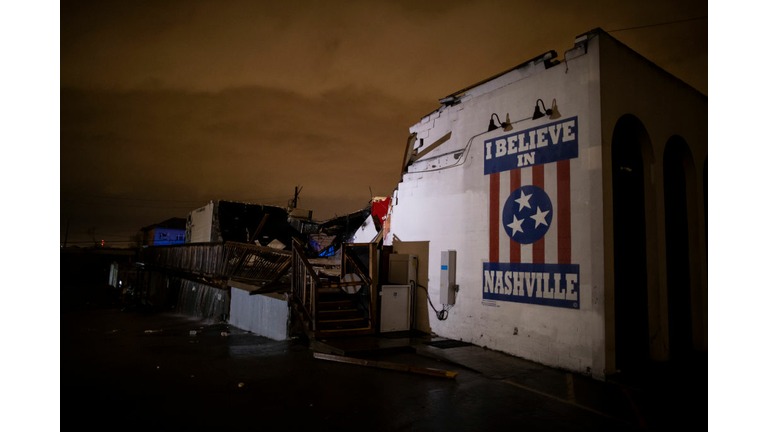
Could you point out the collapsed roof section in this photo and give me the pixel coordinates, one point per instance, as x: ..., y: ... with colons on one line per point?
x: 272, y: 226
x: 251, y: 223
x: 332, y: 233
x: 230, y: 221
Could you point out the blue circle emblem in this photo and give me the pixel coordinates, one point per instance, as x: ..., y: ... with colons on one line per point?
x: 527, y: 214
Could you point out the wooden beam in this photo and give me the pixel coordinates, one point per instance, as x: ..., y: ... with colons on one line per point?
x: 343, y: 284
x: 244, y: 286
x: 433, y: 146
x: 258, y: 230
x: 409, y: 147
x: 387, y: 365
x: 365, y: 277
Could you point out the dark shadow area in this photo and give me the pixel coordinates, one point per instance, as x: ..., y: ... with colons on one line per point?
x: 706, y: 204
x: 678, y: 252
x: 629, y: 224
x: 84, y: 276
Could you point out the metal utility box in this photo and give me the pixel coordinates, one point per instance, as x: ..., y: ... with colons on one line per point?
x: 448, y: 277
x: 395, y: 308
x: 402, y: 269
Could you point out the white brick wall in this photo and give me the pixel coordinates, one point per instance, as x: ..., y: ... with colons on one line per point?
x: 449, y: 208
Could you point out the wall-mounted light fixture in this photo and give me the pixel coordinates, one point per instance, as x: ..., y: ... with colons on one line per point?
x: 507, y: 125
x: 552, y: 113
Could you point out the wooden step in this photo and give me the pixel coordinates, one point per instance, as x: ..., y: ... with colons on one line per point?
x: 330, y: 291
x: 334, y: 333
x: 331, y: 314
x: 337, y: 296
x: 341, y: 324
x: 335, y: 305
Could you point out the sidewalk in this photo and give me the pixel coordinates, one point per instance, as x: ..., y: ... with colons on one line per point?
x: 663, y: 399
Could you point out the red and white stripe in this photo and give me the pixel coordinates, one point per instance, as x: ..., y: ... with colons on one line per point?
x: 555, y: 246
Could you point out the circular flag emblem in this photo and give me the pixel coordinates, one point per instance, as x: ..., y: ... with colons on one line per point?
x: 527, y: 214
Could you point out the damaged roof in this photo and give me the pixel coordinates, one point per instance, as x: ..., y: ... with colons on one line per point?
x: 247, y: 223
x: 345, y: 226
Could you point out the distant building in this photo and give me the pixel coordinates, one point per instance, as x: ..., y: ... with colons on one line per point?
x: 573, y: 193
x: 168, y: 232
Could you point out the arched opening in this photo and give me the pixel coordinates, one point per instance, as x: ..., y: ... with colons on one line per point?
x: 680, y: 214
x: 706, y: 203
x: 629, y: 244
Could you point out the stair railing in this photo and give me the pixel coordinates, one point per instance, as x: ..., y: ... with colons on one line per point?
x: 304, y: 283
x: 349, y: 265
x: 205, y: 259
x: 254, y: 263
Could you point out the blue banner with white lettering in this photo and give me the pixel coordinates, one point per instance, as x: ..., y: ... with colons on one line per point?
x: 544, y: 284
x: 548, y: 143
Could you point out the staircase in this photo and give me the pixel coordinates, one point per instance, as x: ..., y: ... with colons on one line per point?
x: 340, y: 314
x: 322, y: 304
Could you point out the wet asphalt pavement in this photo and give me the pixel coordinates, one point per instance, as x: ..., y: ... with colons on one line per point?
x: 136, y: 369
x: 119, y: 373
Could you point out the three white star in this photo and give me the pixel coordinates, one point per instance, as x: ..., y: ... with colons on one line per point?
x: 540, y: 217
x: 523, y: 200
x: 516, y: 225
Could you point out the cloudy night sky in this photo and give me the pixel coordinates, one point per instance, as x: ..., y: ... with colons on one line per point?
x: 168, y: 105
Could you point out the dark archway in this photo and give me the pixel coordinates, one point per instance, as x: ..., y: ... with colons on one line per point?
x: 679, y: 217
x: 629, y: 244
x: 706, y: 203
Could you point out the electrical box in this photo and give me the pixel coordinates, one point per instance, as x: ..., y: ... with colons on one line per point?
x: 395, y: 308
x: 402, y: 269
x: 448, y: 277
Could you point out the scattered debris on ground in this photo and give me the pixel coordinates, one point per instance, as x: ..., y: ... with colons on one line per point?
x: 388, y: 365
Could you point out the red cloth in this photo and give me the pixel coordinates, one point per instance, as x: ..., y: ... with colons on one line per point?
x: 379, y: 209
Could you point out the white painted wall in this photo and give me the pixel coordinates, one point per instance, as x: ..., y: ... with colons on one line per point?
x: 366, y: 233
x: 263, y: 314
x: 201, y: 224
x: 450, y: 209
